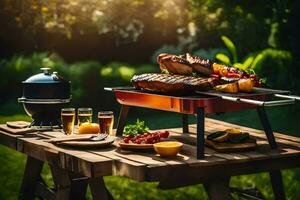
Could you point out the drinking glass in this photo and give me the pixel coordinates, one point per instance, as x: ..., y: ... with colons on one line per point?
x: 84, y: 115
x: 106, y: 122
x: 68, y: 120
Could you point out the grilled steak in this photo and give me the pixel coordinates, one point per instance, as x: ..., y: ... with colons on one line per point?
x: 174, y: 64
x: 172, y: 83
x: 199, y: 64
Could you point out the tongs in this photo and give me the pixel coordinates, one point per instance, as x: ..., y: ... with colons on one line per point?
x: 88, y: 137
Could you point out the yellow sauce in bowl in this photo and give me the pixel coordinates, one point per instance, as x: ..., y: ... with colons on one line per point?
x: 168, y: 148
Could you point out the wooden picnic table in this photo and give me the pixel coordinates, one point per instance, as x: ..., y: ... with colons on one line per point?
x: 73, y: 169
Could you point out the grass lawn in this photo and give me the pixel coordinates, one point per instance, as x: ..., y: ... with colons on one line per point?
x: 282, y: 119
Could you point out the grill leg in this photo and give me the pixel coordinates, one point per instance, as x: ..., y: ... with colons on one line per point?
x: 200, y: 132
x: 185, y: 123
x: 267, y: 127
x: 122, y: 119
x: 277, y: 184
x: 276, y: 177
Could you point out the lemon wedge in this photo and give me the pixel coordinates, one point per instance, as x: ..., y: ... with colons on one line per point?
x: 222, y: 138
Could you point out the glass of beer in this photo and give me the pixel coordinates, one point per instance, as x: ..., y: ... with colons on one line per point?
x: 68, y: 120
x: 84, y: 115
x: 106, y: 122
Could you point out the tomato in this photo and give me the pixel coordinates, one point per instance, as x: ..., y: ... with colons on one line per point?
x: 126, y: 139
x: 164, y: 134
x: 138, y: 141
x: 147, y: 138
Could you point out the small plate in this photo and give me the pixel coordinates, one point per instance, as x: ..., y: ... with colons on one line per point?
x: 108, y: 141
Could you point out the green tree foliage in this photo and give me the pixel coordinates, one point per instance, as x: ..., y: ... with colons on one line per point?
x: 277, y: 66
x: 126, y: 20
x: 88, y: 77
x: 249, y: 62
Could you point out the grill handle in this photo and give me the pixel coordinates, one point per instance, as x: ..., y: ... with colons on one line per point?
x: 287, y: 96
x: 112, y: 89
x: 259, y: 103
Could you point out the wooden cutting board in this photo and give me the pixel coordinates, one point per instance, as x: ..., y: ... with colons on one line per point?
x: 18, y: 124
x: 16, y: 131
x: 108, y: 141
x: 231, y: 147
x: 124, y: 145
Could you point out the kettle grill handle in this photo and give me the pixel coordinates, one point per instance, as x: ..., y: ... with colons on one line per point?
x: 46, y: 70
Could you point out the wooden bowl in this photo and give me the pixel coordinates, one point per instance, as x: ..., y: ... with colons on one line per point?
x: 168, y: 148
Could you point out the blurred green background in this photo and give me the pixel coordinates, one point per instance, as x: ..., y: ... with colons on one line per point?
x: 100, y: 43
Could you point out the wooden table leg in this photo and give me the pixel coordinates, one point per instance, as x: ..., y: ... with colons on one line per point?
x: 98, y: 189
x: 31, y: 177
x: 277, y: 185
x: 68, y: 185
x: 62, y: 181
x: 79, y: 188
x: 218, y: 189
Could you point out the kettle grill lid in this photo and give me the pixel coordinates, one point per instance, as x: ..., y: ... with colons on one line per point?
x: 45, y: 77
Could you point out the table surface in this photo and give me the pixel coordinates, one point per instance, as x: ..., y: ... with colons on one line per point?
x: 185, y: 169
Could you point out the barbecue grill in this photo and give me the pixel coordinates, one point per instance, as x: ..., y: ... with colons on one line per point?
x: 202, y: 103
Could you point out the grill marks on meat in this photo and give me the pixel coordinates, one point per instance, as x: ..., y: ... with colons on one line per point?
x: 172, y: 83
x: 200, y: 64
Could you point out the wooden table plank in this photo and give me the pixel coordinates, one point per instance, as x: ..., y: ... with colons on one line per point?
x: 10, y: 140
x: 148, y: 166
x: 75, y: 160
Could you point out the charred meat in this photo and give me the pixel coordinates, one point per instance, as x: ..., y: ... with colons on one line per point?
x: 201, y: 65
x: 172, y: 83
x: 174, y: 64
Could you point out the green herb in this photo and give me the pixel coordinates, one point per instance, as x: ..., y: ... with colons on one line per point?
x: 194, y: 74
x: 134, y: 129
x: 250, y: 71
x: 165, y: 71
